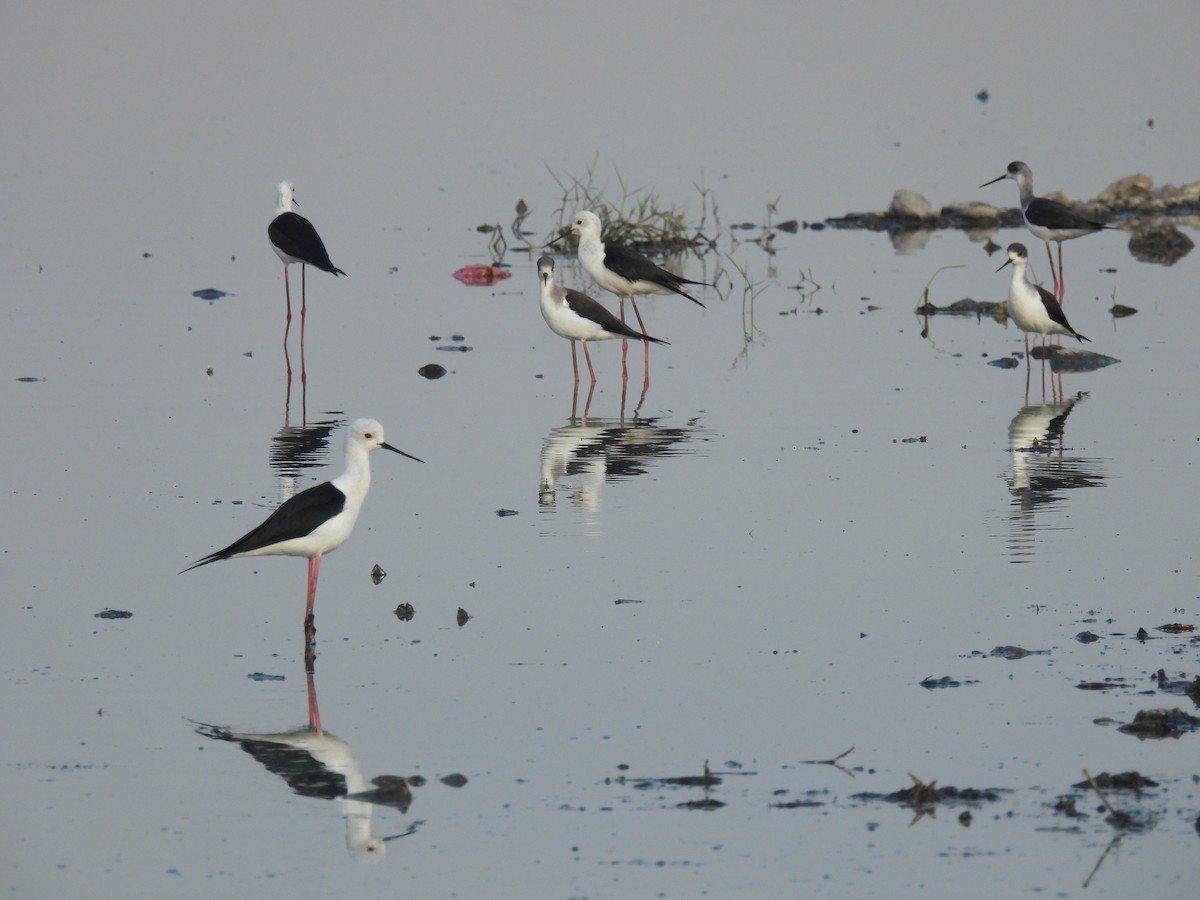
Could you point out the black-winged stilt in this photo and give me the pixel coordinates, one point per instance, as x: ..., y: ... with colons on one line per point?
x: 1031, y: 306
x: 577, y: 317
x: 622, y: 271
x: 1048, y: 219
x: 295, y: 240
x: 317, y: 520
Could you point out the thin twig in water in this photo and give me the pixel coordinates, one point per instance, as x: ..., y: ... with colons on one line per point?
x: 1096, y: 868
x: 1121, y: 819
x: 836, y: 762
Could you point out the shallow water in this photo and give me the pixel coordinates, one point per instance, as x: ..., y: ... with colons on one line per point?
x: 755, y: 571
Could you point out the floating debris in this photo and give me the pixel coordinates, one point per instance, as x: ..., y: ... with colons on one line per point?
x: 964, y: 307
x: 797, y: 804
x: 377, y: 573
x: 482, y: 274
x: 1124, y: 781
x: 463, y: 617
x: 704, y: 804
x: 1175, y: 628
x: 1087, y: 637
x: 263, y: 676
x: 31, y: 379
x: 405, y: 612
x: 114, y: 614
x: 460, y: 349
x: 1010, y: 652
x: 1096, y: 685
x: 930, y: 683
x: 432, y: 371
x: 455, y: 780
x: 1004, y: 362
x: 209, y: 294
x: 1119, y: 311
x: 503, y: 513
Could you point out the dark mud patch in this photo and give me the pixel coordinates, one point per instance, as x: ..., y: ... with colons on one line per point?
x: 1164, y: 245
x: 1156, y: 724
x: 921, y: 794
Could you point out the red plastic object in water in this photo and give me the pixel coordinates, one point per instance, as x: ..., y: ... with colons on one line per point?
x: 481, y: 274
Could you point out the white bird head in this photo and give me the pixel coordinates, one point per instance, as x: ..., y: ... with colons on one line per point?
x: 287, y: 196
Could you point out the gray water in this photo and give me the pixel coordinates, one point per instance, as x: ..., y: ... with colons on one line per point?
x: 755, y: 571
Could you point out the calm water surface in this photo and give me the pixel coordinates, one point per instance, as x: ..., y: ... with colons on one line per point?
x: 814, y: 508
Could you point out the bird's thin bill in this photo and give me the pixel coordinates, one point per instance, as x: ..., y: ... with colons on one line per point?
x: 401, y: 452
x: 994, y: 180
x: 1007, y: 262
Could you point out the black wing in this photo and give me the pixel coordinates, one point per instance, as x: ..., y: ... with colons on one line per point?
x: 296, y: 236
x: 594, y: 311
x: 296, y: 517
x: 632, y: 266
x: 1056, y: 314
x: 1052, y: 214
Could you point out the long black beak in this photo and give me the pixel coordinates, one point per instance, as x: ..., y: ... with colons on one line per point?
x: 561, y: 235
x: 401, y: 452
x: 1007, y: 262
x: 994, y: 180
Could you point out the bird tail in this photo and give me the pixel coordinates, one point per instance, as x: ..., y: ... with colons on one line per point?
x: 212, y: 558
x: 682, y: 293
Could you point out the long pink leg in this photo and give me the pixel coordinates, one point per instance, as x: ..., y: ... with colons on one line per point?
x: 575, y: 363
x: 303, y: 317
x: 587, y: 406
x: 314, y: 568
x: 624, y: 345
x: 1062, y: 278
x: 645, y: 347
x: 588, y: 356
x: 287, y: 292
x: 314, y: 714
x: 1053, y: 271
x: 638, y: 313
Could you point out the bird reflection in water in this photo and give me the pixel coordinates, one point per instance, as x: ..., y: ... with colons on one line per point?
x: 295, y: 448
x: 605, y: 451
x: 319, y: 765
x: 1042, y: 470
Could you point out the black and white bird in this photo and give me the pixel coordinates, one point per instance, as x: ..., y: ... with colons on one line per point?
x: 622, y: 271
x: 1031, y: 306
x: 1048, y: 219
x: 317, y: 520
x: 578, y: 317
x: 295, y: 240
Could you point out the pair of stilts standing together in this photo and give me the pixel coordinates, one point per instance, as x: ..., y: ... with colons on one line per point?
x: 575, y: 316
x: 1033, y: 308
